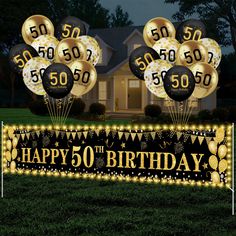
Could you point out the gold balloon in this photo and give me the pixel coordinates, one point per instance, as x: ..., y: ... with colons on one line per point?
x: 9, y: 145
x: 213, y: 162
x: 215, y: 177
x: 70, y: 49
x: 220, y: 135
x: 34, y: 26
x: 154, y: 75
x: 167, y: 49
x: 212, y: 145
x: 156, y: 29
x: 222, y: 151
x: 85, y: 77
x: 10, y: 132
x: 14, y: 142
x: 223, y: 165
x: 14, y: 153
x: 206, y: 78
x: 214, y: 51
x: 93, y: 49
x: 8, y: 155
x: 191, y: 52
x: 13, y: 166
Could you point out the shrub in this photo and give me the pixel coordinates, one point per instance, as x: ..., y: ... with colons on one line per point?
x: 78, y: 107
x: 152, y: 110
x: 97, y: 109
x: 222, y: 114
x: 38, y: 107
x: 204, y: 115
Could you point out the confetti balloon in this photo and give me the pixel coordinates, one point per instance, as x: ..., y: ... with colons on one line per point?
x: 140, y: 58
x: 167, y: 49
x: 93, y: 49
x: 214, y: 51
x: 33, y: 74
x: 19, y: 55
x: 70, y: 27
x: 34, y: 26
x: 206, y: 79
x: 58, y: 80
x: 154, y: 76
x: 70, y: 49
x: 179, y: 83
x: 85, y: 77
x: 190, y: 30
x: 45, y: 45
x: 191, y: 52
x: 156, y: 29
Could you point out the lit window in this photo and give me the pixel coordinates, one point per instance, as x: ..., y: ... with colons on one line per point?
x: 102, y: 90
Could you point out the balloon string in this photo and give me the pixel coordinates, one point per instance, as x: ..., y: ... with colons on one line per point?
x: 175, y: 112
x: 71, y: 100
x: 53, y: 101
x: 63, y: 110
x: 46, y: 101
x: 169, y: 109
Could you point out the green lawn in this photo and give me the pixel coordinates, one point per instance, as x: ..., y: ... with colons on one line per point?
x: 57, y: 206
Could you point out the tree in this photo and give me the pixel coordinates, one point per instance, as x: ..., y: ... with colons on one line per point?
x: 120, y: 18
x: 218, y: 15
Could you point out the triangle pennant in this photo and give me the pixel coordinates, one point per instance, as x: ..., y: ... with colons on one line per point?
x: 73, y: 135
x: 133, y: 135
x: 107, y: 132
x: 97, y: 131
x: 68, y: 134
x: 140, y: 135
x: 193, y: 138
x: 127, y: 134
x: 200, y: 139
x: 120, y: 134
x: 57, y: 133
x: 22, y: 136
x: 186, y: 136
x: 28, y: 135
x: 179, y: 134
x: 18, y: 136
x: 38, y: 133
x: 113, y: 133
x: 208, y: 139
x: 153, y: 134
x: 79, y: 134
x: 85, y: 133
x: 63, y: 134
x: 159, y: 133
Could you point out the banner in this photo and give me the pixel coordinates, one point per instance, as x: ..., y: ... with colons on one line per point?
x: 196, y: 155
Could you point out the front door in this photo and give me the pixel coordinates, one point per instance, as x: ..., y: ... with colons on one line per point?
x: 134, y: 94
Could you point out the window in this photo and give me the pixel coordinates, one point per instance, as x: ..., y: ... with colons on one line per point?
x: 134, y: 84
x: 100, y: 61
x: 102, y: 91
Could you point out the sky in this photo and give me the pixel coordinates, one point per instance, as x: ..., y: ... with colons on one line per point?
x: 140, y: 11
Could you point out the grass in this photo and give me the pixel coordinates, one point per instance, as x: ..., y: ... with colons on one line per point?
x: 57, y: 206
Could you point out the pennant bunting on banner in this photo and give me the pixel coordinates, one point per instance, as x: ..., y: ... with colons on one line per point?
x: 23, y: 136
x: 57, y: 133
x: 68, y: 134
x: 79, y: 134
x: 73, y: 135
x: 107, y: 132
x: 208, y: 139
x: 140, y: 135
x: 159, y: 133
x: 153, y: 134
x: 18, y: 136
x: 63, y: 134
x: 179, y: 134
x: 186, y: 136
x: 127, y: 135
x: 97, y: 131
x: 200, y: 139
x: 193, y: 138
x: 85, y: 133
x: 38, y: 133
x: 120, y: 134
x: 28, y: 136
x: 133, y: 135
x: 113, y: 133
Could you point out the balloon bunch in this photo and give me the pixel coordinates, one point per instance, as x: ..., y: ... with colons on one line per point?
x: 177, y: 65
x: 60, y: 67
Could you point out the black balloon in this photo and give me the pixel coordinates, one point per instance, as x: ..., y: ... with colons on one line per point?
x: 58, y: 80
x: 179, y: 83
x: 190, y: 30
x: 140, y: 58
x: 19, y: 55
x: 68, y: 28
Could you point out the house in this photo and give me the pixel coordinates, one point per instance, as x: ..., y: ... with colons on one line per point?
x: 117, y: 88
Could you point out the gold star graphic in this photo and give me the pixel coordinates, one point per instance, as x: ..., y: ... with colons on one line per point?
x: 123, y: 145
x: 56, y: 144
x: 18, y: 159
x: 205, y: 165
x: 83, y: 142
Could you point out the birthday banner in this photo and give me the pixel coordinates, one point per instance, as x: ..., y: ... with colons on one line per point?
x: 197, y: 155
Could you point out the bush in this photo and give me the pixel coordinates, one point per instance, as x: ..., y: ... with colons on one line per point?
x: 204, y: 115
x: 222, y: 114
x: 97, y: 109
x: 152, y: 110
x: 38, y: 107
x: 232, y: 114
x: 77, y: 107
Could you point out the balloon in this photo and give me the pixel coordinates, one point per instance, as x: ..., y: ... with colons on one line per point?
x: 19, y: 55
x: 215, y: 177
x: 214, y: 51
x: 213, y: 162
x: 58, y: 80
x: 34, y: 26
x: 156, y: 29
x: 70, y: 49
x: 85, y: 77
x: 33, y: 73
x: 206, y: 79
x: 14, y: 153
x: 167, y: 49
x: 179, y: 83
x: 8, y: 156
x: 14, y: 142
x: 13, y: 166
x: 220, y: 135
x: 190, y: 30
x: 222, y: 151
x: 212, y: 146
x: 140, y: 58
x: 70, y: 27
x: 154, y: 76
x: 191, y: 52
x: 45, y: 45
x: 93, y: 49
x: 9, y: 145
x: 223, y: 165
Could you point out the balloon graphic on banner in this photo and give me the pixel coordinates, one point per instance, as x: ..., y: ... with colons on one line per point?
x: 223, y: 165
x: 179, y: 83
x: 45, y: 45
x: 156, y: 29
x: 190, y: 30
x: 213, y: 162
x: 212, y: 146
x: 214, y: 51
x: 220, y: 135
x: 19, y: 55
x: 215, y: 177
x: 58, y: 80
x: 154, y: 76
x: 93, y: 49
x: 70, y: 49
x: 167, y: 49
x: 33, y: 74
x: 140, y: 58
x: 191, y: 52
x: 85, y: 77
x: 36, y: 25
x: 222, y: 151
x: 70, y: 27
x: 206, y: 79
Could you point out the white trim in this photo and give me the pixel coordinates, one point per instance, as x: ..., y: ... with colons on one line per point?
x: 117, y: 66
x: 131, y: 35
